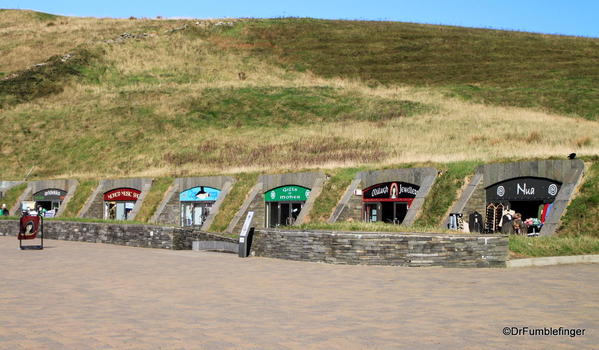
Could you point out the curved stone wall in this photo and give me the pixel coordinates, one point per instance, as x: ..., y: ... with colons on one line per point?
x: 403, y: 249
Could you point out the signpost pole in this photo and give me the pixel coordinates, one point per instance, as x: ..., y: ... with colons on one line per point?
x: 243, y: 236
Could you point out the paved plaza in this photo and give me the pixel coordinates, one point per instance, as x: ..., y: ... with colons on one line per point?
x: 77, y: 295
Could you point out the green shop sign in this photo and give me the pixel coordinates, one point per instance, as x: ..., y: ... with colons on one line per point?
x: 287, y: 193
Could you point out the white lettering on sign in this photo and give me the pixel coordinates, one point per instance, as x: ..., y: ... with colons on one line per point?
x: 52, y: 193
x: 409, y: 189
x: 123, y: 193
x: 380, y: 190
x: 525, y: 191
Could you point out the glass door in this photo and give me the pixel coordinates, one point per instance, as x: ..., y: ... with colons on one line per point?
x: 198, y: 215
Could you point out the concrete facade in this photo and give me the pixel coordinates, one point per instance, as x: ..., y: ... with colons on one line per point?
x: 94, y: 207
x: 255, y: 200
x: 349, y: 207
x: 169, y: 210
x: 370, y: 248
x: 568, y: 172
x: 70, y: 186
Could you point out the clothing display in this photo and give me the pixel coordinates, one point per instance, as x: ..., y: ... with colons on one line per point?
x: 494, y: 214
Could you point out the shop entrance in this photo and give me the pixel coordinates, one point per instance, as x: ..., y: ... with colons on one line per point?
x: 284, y: 204
x: 49, y: 200
x: 119, y: 203
x: 531, y: 197
x: 194, y: 214
x: 196, y: 204
x: 388, y: 202
x: 283, y: 213
x: 528, y: 209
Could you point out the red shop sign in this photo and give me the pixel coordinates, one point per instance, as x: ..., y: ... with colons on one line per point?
x: 122, y: 194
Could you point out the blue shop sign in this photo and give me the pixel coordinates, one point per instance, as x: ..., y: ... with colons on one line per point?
x: 198, y: 194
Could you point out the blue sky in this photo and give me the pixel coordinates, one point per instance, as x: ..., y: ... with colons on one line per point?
x: 570, y: 17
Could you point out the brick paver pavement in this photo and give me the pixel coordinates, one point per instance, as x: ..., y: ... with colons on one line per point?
x: 93, y: 296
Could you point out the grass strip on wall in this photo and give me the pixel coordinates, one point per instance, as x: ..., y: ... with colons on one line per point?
x: 234, y: 200
x: 152, y: 201
x: 82, y: 194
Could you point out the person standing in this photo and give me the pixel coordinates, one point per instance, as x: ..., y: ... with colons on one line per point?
x: 518, y: 224
x: 3, y: 210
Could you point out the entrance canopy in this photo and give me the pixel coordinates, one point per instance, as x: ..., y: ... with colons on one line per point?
x: 390, y: 192
x: 199, y: 194
x: 524, y: 189
x: 287, y: 193
x: 122, y: 194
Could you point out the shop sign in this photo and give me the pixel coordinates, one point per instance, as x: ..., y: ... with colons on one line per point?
x: 390, y: 192
x: 199, y: 194
x: 287, y: 193
x: 122, y: 194
x: 50, y: 194
x: 524, y: 189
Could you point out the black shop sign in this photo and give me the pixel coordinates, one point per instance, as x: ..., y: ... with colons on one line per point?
x: 50, y: 194
x: 389, y: 191
x: 524, y: 189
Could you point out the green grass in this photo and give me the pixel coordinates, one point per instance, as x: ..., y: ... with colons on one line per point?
x: 100, y: 221
x: 283, y: 107
x: 369, y: 227
x: 11, y: 196
x: 234, y: 200
x: 582, y: 216
x: 554, y: 245
x: 153, y: 199
x: 444, y: 192
x: 557, y: 73
x: 44, y: 80
x: 83, y: 192
x: 333, y: 190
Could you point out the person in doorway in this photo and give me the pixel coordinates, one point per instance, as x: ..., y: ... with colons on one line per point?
x: 518, y: 224
x: 3, y: 211
x: 112, y: 211
x: 506, y: 222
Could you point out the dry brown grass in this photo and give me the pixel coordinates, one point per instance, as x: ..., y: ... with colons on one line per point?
x: 171, y: 69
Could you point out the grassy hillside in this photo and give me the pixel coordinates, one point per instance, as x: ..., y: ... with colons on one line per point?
x: 166, y: 98
x: 501, y: 67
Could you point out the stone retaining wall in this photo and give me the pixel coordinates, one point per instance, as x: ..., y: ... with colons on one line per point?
x: 133, y: 235
x: 403, y: 249
x: 129, y: 235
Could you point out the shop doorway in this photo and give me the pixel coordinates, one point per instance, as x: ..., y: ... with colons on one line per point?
x: 118, y: 210
x: 119, y: 203
x: 196, y: 204
x: 394, y: 212
x: 388, y: 202
x: 49, y: 200
x: 283, y: 213
x: 194, y: 214
x: 284, y: 204
x: 531, y: 197
x: 528, y: 209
